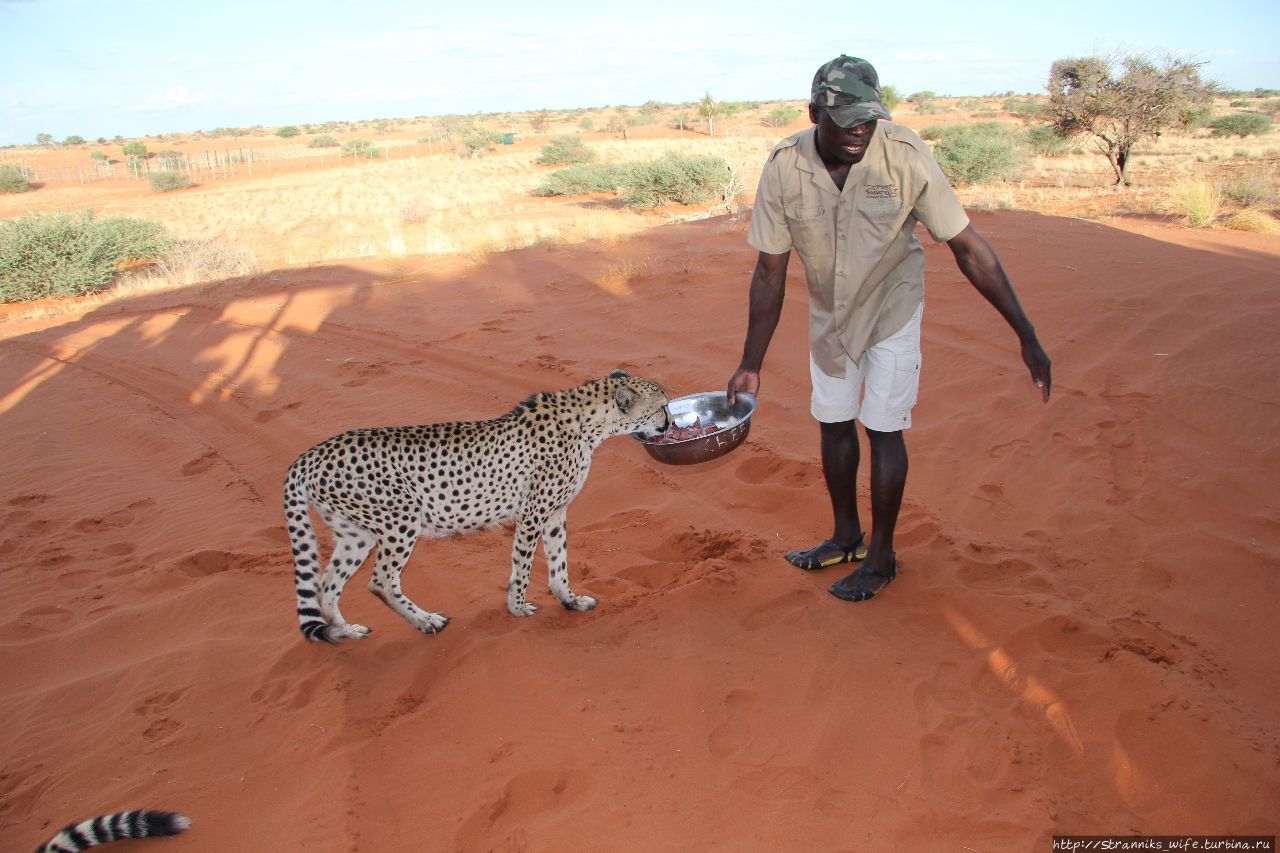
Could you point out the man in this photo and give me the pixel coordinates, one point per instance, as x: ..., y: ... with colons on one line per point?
x: 846, y: 194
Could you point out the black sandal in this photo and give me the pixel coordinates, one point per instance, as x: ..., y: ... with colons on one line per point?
x: 863, y: 586
x: 808, y: 560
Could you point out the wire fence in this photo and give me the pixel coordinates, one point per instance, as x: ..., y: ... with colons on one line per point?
x: 215, y: 164
x: 223, y: 163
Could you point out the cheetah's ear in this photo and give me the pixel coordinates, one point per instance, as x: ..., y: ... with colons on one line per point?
x: 625, y: 397
x: 619, y: 374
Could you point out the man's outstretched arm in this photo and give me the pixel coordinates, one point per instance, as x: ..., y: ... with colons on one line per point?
x: 768, y: 287
x: 980, y: 264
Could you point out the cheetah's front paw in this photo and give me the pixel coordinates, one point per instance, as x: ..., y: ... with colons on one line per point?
x: 431, y: 623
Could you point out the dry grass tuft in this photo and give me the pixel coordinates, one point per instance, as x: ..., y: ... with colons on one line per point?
x: 1253, y: 219
x: 1197, y: 200
x: 190, y: 262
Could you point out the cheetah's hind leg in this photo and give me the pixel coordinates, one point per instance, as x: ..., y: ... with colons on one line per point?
x: 351, y: 546
x: 394, y: 548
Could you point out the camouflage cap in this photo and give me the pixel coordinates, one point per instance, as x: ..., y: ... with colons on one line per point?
x: 850, y: 88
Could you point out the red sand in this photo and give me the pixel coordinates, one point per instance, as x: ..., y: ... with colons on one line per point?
x: 1081, y: 637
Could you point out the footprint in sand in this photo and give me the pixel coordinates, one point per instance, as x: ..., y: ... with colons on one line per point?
x: 404, y: 706
x: 159, y: 732
x: 618, y: 521
x: 737, y: 729
x: 364, y: 373
x: 918, y: 529
x: 785, y: 609
x: 1146, y: 638
x: 696, y: 545
x: 765, y: 467
x: 28, y: 500
x: 200, y: 464
x: 548, y: 362
x: 503, y: 814
x: 158, y: 702
x: 1001, y: 575
x: 292, y: 682
x: 115, y: 520
x: 1008, y: 448
x: 213, y: 561
x: 46, y: 616
x: 268, y: 415
x: 1075, y: 645
x: 162, y: 725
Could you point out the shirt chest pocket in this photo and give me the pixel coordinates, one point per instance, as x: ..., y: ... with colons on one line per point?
x: 811, y: 229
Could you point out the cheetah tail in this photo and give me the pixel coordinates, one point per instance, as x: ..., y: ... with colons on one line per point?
x: 114, y: 827
x: 306, y: 557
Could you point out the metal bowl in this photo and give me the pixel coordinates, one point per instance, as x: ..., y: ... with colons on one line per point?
x: 705, y: 409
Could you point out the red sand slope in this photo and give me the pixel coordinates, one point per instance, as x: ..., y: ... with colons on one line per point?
x: 1080, y: 639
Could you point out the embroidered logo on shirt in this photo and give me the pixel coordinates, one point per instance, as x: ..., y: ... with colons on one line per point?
x: 881, y: 192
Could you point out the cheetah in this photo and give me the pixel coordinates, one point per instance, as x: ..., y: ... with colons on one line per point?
x: 390, y: 486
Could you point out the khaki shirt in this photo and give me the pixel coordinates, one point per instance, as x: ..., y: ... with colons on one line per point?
x: 864, y: 265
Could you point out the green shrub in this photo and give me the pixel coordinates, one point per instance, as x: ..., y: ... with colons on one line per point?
x: 1045, y: 141
x: 586, y: 123
x: 565, y: 150
x: 163, y: 182
x: 359, y: 148
x: 12, y: 180
x: 670, y: 178
x: 674, y: 178
x: 475, y: 141
x: 583, y: 178
x: 98, y: 155
x: 134, y: 149
x: 1194, y: 116
x: 288, y: 131
x: 1023, y: 108
x: 1240, y: 124
x: 890, y: 97
x: 782, y: 116
x: 323, y: 141
x: 976, y: 153
x: 64, y: 255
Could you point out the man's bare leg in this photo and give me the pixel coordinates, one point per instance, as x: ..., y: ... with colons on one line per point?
x: 888, y: 481
x: 840, y: 458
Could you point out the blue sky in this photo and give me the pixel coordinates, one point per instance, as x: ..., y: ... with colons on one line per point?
x: 134, y: 67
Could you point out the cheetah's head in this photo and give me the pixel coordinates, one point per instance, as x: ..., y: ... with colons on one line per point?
x: 639, y: 406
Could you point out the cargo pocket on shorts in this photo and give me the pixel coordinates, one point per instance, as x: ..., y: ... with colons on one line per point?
x: 906, y: 386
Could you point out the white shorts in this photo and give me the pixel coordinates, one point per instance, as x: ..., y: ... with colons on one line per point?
x: 882, y: 391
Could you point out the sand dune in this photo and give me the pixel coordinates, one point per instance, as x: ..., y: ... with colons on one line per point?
x: 1079, y: 640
